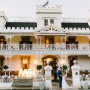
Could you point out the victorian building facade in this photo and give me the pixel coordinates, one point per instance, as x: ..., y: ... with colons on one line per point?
x: 24, y: 45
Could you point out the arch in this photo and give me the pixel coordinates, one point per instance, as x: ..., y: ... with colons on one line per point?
x: 53, y: 62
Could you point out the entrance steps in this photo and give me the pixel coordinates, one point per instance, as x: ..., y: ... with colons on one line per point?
x: 22, y: 83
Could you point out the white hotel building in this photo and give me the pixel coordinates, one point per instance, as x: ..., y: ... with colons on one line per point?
x: 25, y: 44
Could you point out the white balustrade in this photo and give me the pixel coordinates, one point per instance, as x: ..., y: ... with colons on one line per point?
x: 56, y: 46
x: 74, y: 19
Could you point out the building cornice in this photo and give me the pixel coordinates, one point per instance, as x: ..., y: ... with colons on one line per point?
x: 48, y: 12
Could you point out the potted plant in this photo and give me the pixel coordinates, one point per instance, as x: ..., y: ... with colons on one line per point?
x: 39, y: 67
x: 41, y: 79
x: 5, y: 67
x: 65, y: 69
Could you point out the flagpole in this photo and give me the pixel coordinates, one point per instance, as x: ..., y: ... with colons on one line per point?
x: 48, y: 2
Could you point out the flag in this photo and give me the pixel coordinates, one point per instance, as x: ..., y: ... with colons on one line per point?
x: 45, y: 4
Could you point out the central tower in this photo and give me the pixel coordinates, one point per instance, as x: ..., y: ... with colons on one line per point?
x: 48, y: 16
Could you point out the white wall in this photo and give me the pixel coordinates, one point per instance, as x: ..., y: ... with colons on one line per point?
x: 3, y: 19
x: 16, y: 64
x: 84, y: 62
x: 44, y: 13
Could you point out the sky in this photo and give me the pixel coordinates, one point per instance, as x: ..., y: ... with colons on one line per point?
x: 27, y: 8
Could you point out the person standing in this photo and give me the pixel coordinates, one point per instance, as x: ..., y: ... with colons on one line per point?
x: 60, y: 77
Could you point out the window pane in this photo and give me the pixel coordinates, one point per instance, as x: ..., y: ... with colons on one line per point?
x: 25, y: 63
x: 45, y: 22
x: 51, y: 21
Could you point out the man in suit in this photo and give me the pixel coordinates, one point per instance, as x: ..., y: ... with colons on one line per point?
x: 60, y: 77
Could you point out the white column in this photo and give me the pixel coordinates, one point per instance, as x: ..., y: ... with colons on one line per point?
x: 65, y: 42
x: 37, y: 43
x: 10, y: 37
x: 6, y: 59
x: 9, y: 64
x: 10, y: 43
x: 37, y: 40
x: 36, y: 46
x: 76, y: 74
x: 7, y: 44
x: 40, y: 42
x: 5, y: 62
x: 61, y: 39
x: 40, y: 58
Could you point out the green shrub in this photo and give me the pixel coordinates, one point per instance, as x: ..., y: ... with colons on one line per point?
x: 39, y: 67
x: 64, y: 67
x: 5, y: 67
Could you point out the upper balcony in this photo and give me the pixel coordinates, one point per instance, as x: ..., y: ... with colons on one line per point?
x: 72, y: 49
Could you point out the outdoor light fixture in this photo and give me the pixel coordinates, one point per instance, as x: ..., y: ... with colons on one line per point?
x: 35, y: 62
x: 63, y: 61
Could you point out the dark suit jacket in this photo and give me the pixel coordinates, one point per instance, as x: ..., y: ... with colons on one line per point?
x: 60, y: 73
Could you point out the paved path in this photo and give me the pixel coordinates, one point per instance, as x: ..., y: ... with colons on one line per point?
x: 55, y: 86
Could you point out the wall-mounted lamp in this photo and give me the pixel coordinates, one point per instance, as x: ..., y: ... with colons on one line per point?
x: 63, y: 62
x: 35, y: 62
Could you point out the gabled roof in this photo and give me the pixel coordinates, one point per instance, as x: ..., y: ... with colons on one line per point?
x: 21, y: 24
x: 74, y: 25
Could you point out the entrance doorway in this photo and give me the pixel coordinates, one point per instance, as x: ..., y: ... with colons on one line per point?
x: 25, y: 61
x: 1, y: 62
x: 53, y: 63
x: 25, y: 43
x: 49, y: 40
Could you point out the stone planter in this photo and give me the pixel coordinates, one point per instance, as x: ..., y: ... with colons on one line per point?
x: 41, y: 85
x: 85, y: 84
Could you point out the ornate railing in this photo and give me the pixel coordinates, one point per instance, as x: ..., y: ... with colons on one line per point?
x: 45, y: 47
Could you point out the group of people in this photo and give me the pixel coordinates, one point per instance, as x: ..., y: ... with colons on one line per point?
x: 62, y: 82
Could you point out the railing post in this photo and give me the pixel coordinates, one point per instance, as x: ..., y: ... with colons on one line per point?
x: 37, y: 44
x: 70, y: 46
x: 65, y: 42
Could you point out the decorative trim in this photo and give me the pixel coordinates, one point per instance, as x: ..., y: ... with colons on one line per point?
x: 48, y: 12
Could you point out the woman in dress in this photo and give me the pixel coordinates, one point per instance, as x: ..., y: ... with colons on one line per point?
x: 64, y: 83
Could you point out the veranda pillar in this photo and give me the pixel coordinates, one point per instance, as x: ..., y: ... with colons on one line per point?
x: 10, y: 65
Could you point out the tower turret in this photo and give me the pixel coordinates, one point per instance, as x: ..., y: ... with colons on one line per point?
x: 3, y: 19
x: 48, y: 15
